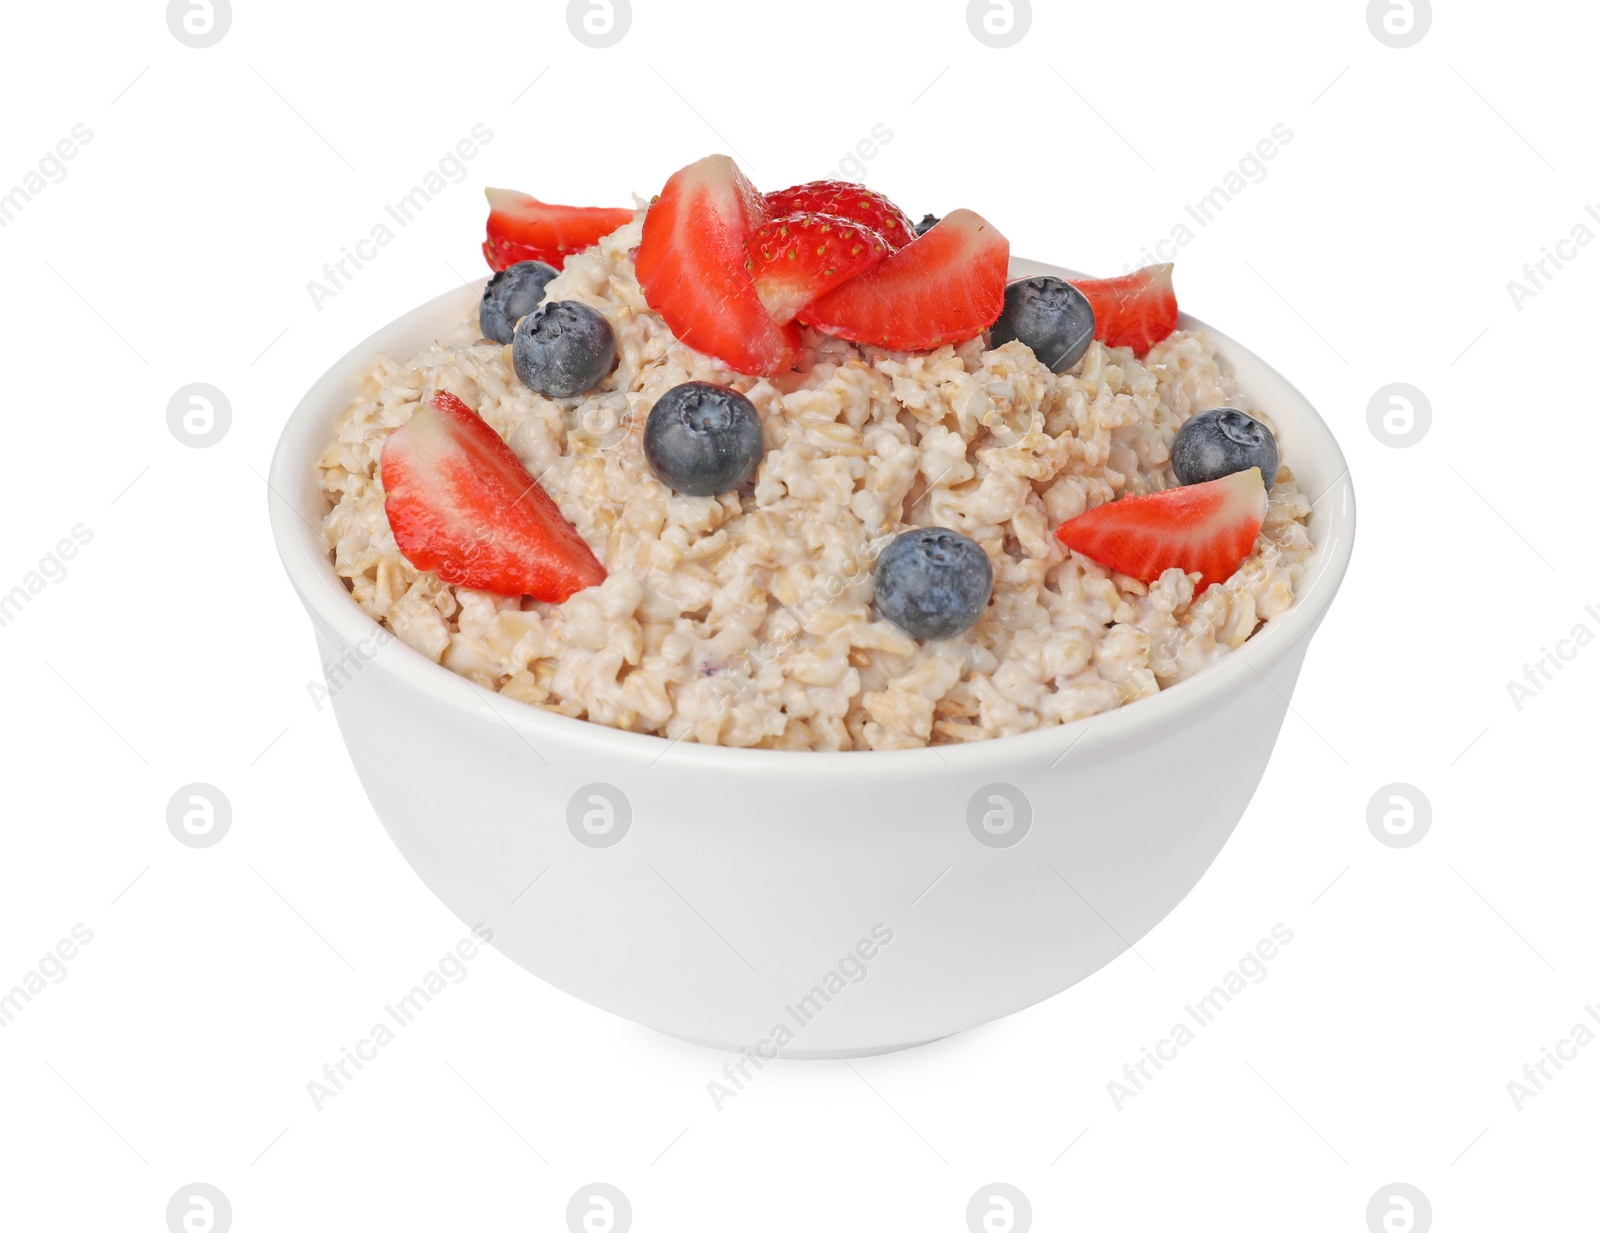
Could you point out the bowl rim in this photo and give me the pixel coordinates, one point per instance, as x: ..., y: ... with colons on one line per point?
x: 292, y: 480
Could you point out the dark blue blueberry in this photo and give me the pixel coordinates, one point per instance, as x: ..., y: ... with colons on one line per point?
x: 932, y: 582
x: 512, y: 294
x: 1217, y: 443
x: 563, y: 349
x: 702, y: 439
x: 1051, y: 316
x: 928, y: 223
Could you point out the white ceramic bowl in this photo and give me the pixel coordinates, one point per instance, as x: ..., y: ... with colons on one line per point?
x: 747, y: 902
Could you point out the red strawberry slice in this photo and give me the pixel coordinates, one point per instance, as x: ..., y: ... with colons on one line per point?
x: 461, y: 504
x: 946, y: 286
x: 800, y: 257
x: 843, y: 199
x: 692, y: 267
x: 1133, y: 310
x: 522, y: 228
x: 1206, y: 529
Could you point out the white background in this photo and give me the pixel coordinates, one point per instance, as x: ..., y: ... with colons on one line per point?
x: 1377, y: 249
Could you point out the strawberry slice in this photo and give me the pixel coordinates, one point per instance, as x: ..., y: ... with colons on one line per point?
x: 1133, y: 310
x: 946, y: 286
x: 843, y: 199
x: 461, y: 504
x: 1206, y: 529
x: 692, y: 267
x: 522, y: 228
x: 800, y: 257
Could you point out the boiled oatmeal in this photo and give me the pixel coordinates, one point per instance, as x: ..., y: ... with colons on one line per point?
x: 748, y: 618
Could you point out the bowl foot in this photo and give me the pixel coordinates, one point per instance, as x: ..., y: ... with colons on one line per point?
x: 811, y: 1055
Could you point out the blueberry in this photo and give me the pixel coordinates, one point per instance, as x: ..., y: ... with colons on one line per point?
x: 563, y: 349
x: 1217, y: 443
x: 701, y: 439
x: 1051, y: 316
x: 513, y: 293
x: 928, y: 223
x: 932, y: 582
